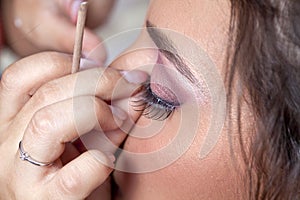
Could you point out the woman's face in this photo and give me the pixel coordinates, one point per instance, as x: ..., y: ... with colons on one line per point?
x: 187, y: 154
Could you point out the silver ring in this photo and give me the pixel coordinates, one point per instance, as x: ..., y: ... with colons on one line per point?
x: 26, y: 157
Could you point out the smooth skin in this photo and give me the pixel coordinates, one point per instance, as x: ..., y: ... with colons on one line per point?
x: 219, y: 175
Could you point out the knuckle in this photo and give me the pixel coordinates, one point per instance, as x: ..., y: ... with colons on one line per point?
x: 10, y: 79
x: 99, y: 107
x: 47, y: 92
x: 111, y: 74
x: 42, y: 122
x: 56, y: 60
x: 108, y: 81
x: 57, y: 56
x: 51, y: 55
x: 41, y: 96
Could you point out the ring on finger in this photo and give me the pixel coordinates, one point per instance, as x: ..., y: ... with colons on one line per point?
x: 26, y: 157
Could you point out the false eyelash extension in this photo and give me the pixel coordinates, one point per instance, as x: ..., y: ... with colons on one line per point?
x: 152, y: 106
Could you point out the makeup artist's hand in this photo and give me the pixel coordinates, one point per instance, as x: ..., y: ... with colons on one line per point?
x: 37, y: 25
x: 45, y: 107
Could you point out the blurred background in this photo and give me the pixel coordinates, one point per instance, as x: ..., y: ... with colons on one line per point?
x: 127, y: 15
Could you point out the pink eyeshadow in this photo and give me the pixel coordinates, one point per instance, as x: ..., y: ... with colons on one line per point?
x: 164, y: 93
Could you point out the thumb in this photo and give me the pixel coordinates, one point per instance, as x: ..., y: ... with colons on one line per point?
x: 69, y: 8
x: 80, y: 177
x: 92, y: 46
x: 63, y: 38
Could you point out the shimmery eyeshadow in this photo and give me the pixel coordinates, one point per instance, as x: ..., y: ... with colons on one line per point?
x: 164, y: 93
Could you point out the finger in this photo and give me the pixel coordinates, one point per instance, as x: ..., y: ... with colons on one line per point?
x: 63, y: 38
x: 81, y: 176
x: 69, y: 8
x: 57, y: 124
x: 111, y: 140
x: 142, y: 59
x: 19, y: 79
x: 98, y: 11
x: 106, y: 84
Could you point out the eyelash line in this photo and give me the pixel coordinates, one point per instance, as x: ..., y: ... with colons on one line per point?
x: 152, y: 106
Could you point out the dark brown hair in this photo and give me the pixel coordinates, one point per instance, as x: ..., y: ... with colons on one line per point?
x: 265, y: 41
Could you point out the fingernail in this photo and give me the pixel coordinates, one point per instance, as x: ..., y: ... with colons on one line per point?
x: 87, y: 64
x: 136, y: 77
x: 119, y: 113
x: 105, y: 158
x: 84, y: 54
x: 94, y: 50
x: 110, y: 156
x: 74, y: 10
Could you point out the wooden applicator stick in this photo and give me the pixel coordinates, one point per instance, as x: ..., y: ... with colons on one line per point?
x: 79, y: 36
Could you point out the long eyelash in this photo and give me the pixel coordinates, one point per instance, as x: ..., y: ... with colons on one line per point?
x: 152, y: 106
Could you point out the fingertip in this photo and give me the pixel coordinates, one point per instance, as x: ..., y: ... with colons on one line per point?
x: 70, y: 8
x: 135, y: 76
x: 88, y: 64
x: 93, y: 48
x: 107, y: 158
x: 118, y: 112
x: 74, y: 9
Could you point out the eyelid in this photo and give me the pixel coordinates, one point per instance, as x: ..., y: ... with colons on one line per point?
x: 152, y: 106
x: 164, y: 93
x: 169, y: 50
x: 161, y: 90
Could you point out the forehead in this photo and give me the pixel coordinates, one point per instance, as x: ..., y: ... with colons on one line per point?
x: 206, y: 22
x: 198, y: 19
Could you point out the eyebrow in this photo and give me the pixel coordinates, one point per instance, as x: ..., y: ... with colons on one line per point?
x: 167, y: 48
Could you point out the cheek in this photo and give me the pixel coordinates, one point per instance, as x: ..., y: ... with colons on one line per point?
x: 189, y: 177
x: 167, y: 141
x: 150, y: 135
x: 171, y: 181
